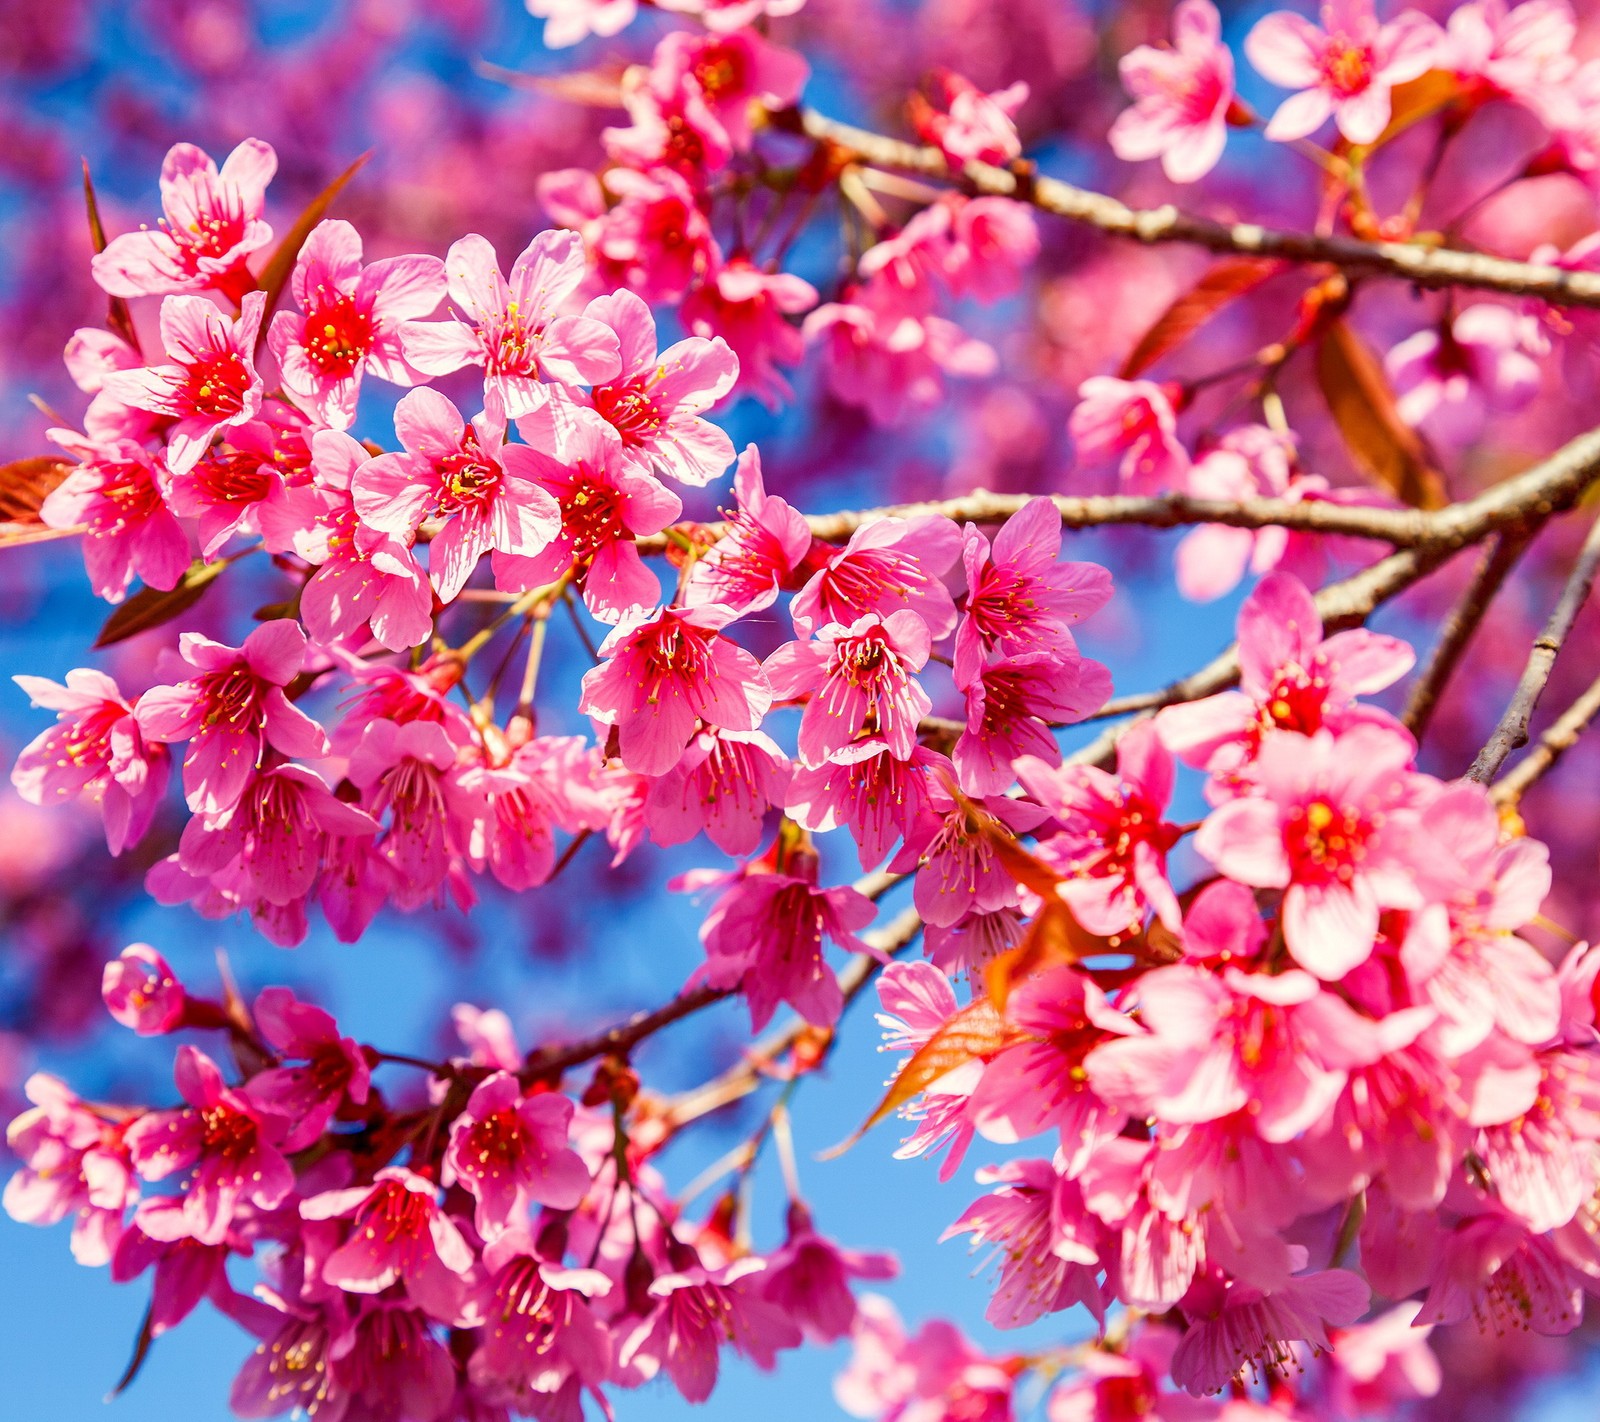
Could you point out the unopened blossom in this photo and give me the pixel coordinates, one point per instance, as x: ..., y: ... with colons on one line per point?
x: 888, y: 564
x: 1181, y: 97
x: 860, y: 682
x: 1113, y: 841
x: 73, y: 1163
x: 723, y: 75
x: 510, y: 1152
x: 1346, y: 70
x: 118, y: 495
x: 465, y: 474
x: 953, y: 844
x: 765, y: 543
x: 349, y: 321
x: 518, y: 330
x: 1131, y: 423
x: 868, y: 790
x: 1012, y: 702
x: 747, y: 307
x: 1328, y: 824
x: 660, y: 673
x: 211, y: 382
x: 397, y: 1233
x: 96, y: 751
x: 972, y: 126
x: 231, y: 710
x: 212, y: 223
x: 232, y: 1144
x: 1020, y: 598
x: 1449, y: 377
x: 605, y: 500
x: 335, y: 1069
x: 809, y: 1277
x: 724, y: 784
x: 141, y: 992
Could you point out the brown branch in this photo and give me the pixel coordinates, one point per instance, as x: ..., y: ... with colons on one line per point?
x: 1562, y: 735
x: 1513, y: 728
x: 620, y: 1039
x: 1414, y: 262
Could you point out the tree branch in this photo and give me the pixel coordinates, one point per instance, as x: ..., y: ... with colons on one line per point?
x: 1551, y: 746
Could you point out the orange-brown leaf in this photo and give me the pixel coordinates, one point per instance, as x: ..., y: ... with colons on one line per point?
x: 151, y: 607
x: 275, y: 276
x: 595, y: 88
x: 24, y: 486
x: 1418, y: 99
x: 1387, y: 449
x: 1222, y: 284
x: 119, y: 318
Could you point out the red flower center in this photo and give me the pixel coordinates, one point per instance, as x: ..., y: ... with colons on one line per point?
x: 468, y: 480
x: 719, y: 70
x: 591, y: 515
x: 228, y: 1134
x: 631, y: 412
x: 230, y: 698
x: 217, y: 383
x: 233, y: 478
x: 1347, y: 67
x: 1327, y: 841
x: 338, y: 336
x: 498, y: 1142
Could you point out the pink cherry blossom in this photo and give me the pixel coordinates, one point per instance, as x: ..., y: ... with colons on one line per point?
x: 140, y: 991
x: 870, y: 791
x: 1515, y: 49
x: 724, y: 74
x: 1345, y: 70
x: 212, y: 224
x: 350, y: 320
x: 764, y: 543
x: 96, y: 751
x: 211, y: 383
x: 1127, y: 1386
x: 185, y: 1272
x: 484, y: 489
x: 1448, y: 379
x: 1011, y: 705
x: 231, y: 710
x: 993, y: 242
x: 746, y: 307
x: 568, y: 21
x: 726, y: 16
x: 1489, y: 1265
x: 1181, y: 97
x: 225, y: 492
x: 662, y: 672
x: 889, y: 564
x: 336, y: 1069
x: 1378, y: 1366
x: 808, y: 1278
x: 518, y: 330
x: 953, y: 844
x: 655, y: 240
x: 1133, y: 423
x: 724, y: 784
x: 972, y: 127
x: 934, y: 1376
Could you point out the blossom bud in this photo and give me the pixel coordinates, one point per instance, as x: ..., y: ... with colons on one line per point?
x: 141, y: 992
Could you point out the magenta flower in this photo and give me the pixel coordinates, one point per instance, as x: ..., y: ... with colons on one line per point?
x: 1447, y: 381
x: 185, y: 1271
x: 73, y: 1163
x: 860, y: 682
x: 335, y: 1071
x: 1329, y: 824
x: 483, y: 489
x: 764, y: 544
x: 1012, y: 704
x: 397, y: 1234
x: 1019, y: 597
x: 656, y: 240
x: 747, y: 307
x: 231, y: 1143
x: 1113, y: 842
x: 1345, y: 70
x: 764, y: 936
x: 889, y: 565
x: 605, y: 500
x: 96, y: 751
x: 212, y: 224
x: 870, y: 791
x: 920, y: 1379
x: 951, y: 844
x: 510, y: 1152
x: 231, y: 710
x: 226, y: 491
x: 809, y: 1278
x: 211, y: 384
x: 515, y: 330
x: 1490, y: 1264
x: 1181, y: 97
x: 1127, y: 1386
x: 722, y: 76
x: 1377, y: 1368
x: 724, y: 785
x: 350, y: 320
x: 660, y: 673
x: 973, y: 127
x: 140, y: 991
x: 1133, y: 423
x: 117, y: 494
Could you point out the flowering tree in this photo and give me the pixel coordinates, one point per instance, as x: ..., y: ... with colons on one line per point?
x: 1267, y: 1099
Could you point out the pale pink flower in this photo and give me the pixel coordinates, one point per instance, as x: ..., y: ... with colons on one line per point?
x: 888, y: 565
x: 868, y: 790
x: 232, y: 710
x: 662, y: 672
x: 141, y: 992
x: 724, y: 784
x: 336, y: 1069
x: 605, y: 499
x: 545, y: 786
x: 211, y: 383
x: 568, y: 21
x: 764, y: 544
x: 747, y: 307
x: 723, y: 76
x: 93, y: 353
x: 350, y: 320
x: 517, y: 330
x: 860, y: 684
x: 1516, y: 50
x: 1181, y: 97
x: 484, y: 489
x: 397, y: 1234
x: 973, y: 127
x: 231, y: 1143
x: 1376, y: 1367
x: 1345, y: 70
x: 95, y: 751
x: 809, y: 1278
x: 1012, y: 704
x: 1448, y: 380
x: 726, y: 16
x: 1019, y: 597
x: 510, y: 1152
x: 1490, y: 1266
x: 1133, y: 423
x: 1329, y: 824
x: 212, y: 224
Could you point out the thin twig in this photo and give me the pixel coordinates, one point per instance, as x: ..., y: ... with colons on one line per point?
x: 1562, y: 735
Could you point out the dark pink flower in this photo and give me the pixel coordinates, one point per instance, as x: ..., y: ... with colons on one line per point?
x: 231, y: 710
x: 510, y: 1152
x: 870, y: 791
x: 211, y: 384
x: 724, y: 784
x: 1131, y: 422
x: 1181, y: 97
x: 973, y: 127
x: 140, y: 991
x: 1012, y: 704
x: 723, y: 75
x: 993, y: 242
x: 809, y: 1278
x: 95, y: 751
x: 212, y: 223
x: 226, y: 492
x: 186, y: 1272
x: 656, y: 240
x: 349, y: 321
x: 952, y: 845
x: 889, y: 565
x: 231, y: 1143
x: 764, y: 543
x: 1491, y: 1266
x: 335, y: 1070
x: 747, y: 307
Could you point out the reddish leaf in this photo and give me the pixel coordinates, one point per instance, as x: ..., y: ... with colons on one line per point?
x: 594, y: 88
x: 151, y: 607
x: 1225, y: 282
x: 118, y: 318
x: 275, y: 276
x: 24, y: 486
x: 1387, y: 449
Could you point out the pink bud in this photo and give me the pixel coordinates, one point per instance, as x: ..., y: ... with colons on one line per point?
x: 141, y: 992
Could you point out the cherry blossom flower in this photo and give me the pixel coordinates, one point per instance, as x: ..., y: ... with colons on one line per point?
x: 185, y: 1272
x: 953, y: 843
x: 1345, y: 70
x: 95, y: 751
x: 1490, y: 1266
x: 140, y: 991
x: 231, y: 710
x: 336, y: 1070
x: 655, y: 240
x: 724, y: 785
x: 1448, y: 378
x: 212, y: 224
x: 746, y: 307
x: 993, y: 242
x: 1516, y: 50
x: 726, y: 16
x: 1011, y: 705
x: 889, y: 564
x: 568, y: 21
x: 225, y: 492
x: 725, y: 74
x: 350, y: 320
x: 1375, y: 1367
x: 465, y: 474
x: 934, y: 1376
x: 1132, y: 422
x: 808, y: 1278
x: 517, y: 330
x: 869, y: 790
x: 1181, y: 97
x: 972, y: 127
x: 765, y: 542
x: 1127, y: 1385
